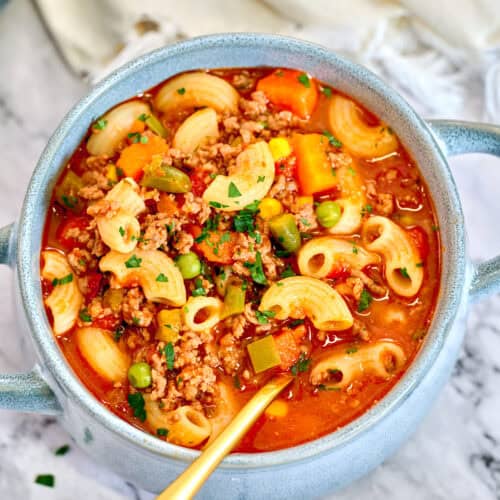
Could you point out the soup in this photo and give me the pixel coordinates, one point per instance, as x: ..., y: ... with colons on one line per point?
x: 229, y: 225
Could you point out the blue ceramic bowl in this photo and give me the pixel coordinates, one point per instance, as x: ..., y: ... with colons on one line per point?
x: 304, y: 471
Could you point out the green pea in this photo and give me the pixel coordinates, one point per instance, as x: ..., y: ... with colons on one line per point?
x: 189, y: 265
x: 285, y: 231
x: 328, y: 213
x: 139, y: 375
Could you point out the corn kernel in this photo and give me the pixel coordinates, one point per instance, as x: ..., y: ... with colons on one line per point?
x: 277, y: 409
x: 280, y: 148
x: 304, y: 200
x: 269, y: 208
x: 112, y: 174
x: 169, y: 325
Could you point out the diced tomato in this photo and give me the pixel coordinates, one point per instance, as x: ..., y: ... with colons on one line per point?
x: 109, y: 322
x: 93, y: 281
x: 166, y: 205
x: 420, y: 240
x: 339, y: 272
x: 198, y: 185
x: 64, y: 233
x: 286, y: 167
x: 288, y: 345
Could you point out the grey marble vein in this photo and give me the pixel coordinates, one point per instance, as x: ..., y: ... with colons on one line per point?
x: 455, y: 454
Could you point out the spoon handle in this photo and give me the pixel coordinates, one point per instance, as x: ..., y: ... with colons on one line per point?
x: 191, y: 480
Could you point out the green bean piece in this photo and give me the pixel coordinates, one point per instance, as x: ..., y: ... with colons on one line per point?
x: 139, y: 375
x: 67, y: 191
x: 156, y: 126
x: 189, y: 265
x: 285, y: 231
x: 234, y: 300
x: 328, y: 213
x: 166, y: 178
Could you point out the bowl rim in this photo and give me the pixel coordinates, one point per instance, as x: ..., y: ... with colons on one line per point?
x: 67, y: 383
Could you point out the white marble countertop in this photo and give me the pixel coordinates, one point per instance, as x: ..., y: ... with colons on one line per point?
x: 454, y: 454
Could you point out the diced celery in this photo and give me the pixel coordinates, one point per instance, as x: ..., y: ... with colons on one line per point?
x: 165, y: 177
x: 234, y: 300
x: 113, y: 298
x: 67, y: 191
x: 156, y: 126
x: 264, y: 354
x: 169, y: 325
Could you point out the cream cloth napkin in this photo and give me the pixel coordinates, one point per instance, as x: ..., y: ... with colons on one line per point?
x: 440, y: 54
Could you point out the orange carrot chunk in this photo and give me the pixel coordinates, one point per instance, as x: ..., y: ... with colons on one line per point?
x: 314, y: 170
x: 292, y: 90
x: 288, y: 345
x: 216, y: 246
x: 135, y: 157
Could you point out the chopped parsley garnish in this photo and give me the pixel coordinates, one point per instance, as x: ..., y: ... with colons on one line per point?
x: 46, y: 480
x: 302, y: 365
x: 117, y: 334
x: 244, y: 220
x: 143, y: 117
x: 367, y: 209
x: 351, y: 350
x: 181, y: 91
x: 305, y: 222
x: 169, y: 355
x: 404, y: 272
x: 434, y: 227
x: 256, y: 270
x: 121, y: 231
x: 352, y: 171
x: 162, y: 278
x: 134, y: 261
x: 162, y: 432
x: 137, y: 137
x: 323, y: 387
x: 62, y: 450
x: 365, y: 300
x: 199, y: 290
x: 216, y: 204
x: 225, y: 237
x: 296, y: 322
x: 332, y: 140
x: 62, y: 281
x: 327, y: 91
x: 136, y: 321
x: 279, y: 252
x: 237, y: 382
x: 69, y: 201
x: 288, y: 272
x: 263, y: 316
x: 85, y: 316
x: 100, y: 124
x: 233, y: 191
x: 136, y: 402
x: 261, y: 178
x: 304, y: 80
x: 355, y: 249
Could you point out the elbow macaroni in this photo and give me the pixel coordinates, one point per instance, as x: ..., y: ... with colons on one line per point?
x: 118, y: 123
x: 157, y: 274
x: 301, y: 296
x: 121, y: 231
x: 252, y: 177
x: 361, y: 139
x: 402, y: 272
x: 382, y: 359
x: 226, y: 409
x: 318, y: 257
x: 196, y: 129
x: 207, y: 307
x: 65, y: 300
x: 103, y: 354
x: 195, y: 90
x: 186, y: 426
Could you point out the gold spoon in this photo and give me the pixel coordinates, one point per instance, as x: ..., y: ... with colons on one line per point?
x: 192, y: 479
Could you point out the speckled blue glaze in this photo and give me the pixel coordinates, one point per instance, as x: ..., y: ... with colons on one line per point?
x: 305, y: 471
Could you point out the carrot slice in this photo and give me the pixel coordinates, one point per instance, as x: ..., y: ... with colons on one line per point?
x: 217, y: 246
x: 314, y: 170
x: 166, y: 205
x: 135, y: 157
x: 290, y: 89
x: 288, y: 345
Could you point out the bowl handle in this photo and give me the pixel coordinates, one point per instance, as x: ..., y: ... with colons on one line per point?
x: 455, y: 138
x: 26, y: 392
